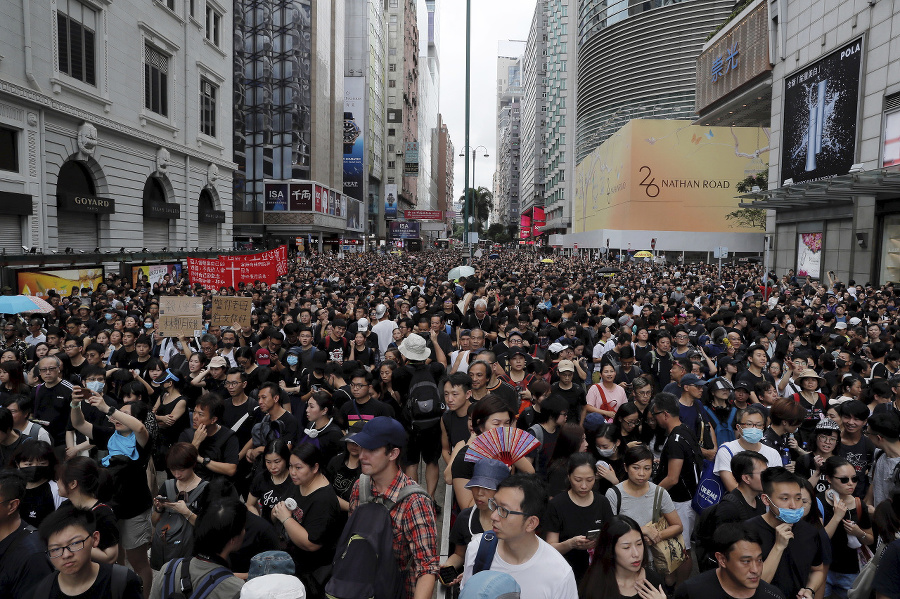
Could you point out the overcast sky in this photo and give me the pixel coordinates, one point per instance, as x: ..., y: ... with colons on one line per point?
x: 492, y: 21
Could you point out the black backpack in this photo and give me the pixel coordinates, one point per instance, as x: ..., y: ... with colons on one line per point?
x: 364, y: 565
x: 424, y: 404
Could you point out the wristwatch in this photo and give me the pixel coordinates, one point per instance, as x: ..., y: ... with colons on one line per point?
x: 110, y: 411
x: 351, y: 132
x: 206, y: 461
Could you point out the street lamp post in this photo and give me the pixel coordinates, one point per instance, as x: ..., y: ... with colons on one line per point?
x: 468, y: 93
x: 471, y: 187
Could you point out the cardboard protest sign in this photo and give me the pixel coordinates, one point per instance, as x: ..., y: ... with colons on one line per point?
x: 227, y: 310
x: 180, y: 316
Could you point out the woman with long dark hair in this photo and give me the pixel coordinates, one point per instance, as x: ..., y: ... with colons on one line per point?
x: 620, y: 569
x: 12, y: 379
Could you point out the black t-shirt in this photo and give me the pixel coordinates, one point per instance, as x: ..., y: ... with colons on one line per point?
x: 460, y: 468
x: 681, y: 444
x: 122, y: 358
x: 354, y: 411
x: 131, y: 495
x: 806, y: 465
x: 507, y: 393
x: 342, y: 476
x: 466, y: 526
x: 51, y: 404
x: 576, y: 397
x: 328, y: 440
x: 38, y: 503
x: 222, y: 447
x: 337, y: 351
x: 259, y: 536
x: 24, y: 562
x: 860, y: 457
x: 844, y: 559
x: 803, y: 552
x: 233, y: 414
x: 268, y: 494
x: 751, y: 379
x: 101, y: 589
x: 320, y: 514
x: 707, y: 586
x: 570, y: 520
x: 457, y: 428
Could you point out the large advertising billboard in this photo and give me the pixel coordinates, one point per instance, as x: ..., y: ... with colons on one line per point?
x: 301, y: 197
x: 41, y: 282
x: 355, y: 220
x: 354, y: 136
x: 390, y: 201
x: 404, y: 230
x: 411, y: 159
x: 661, y: 175
x: 820, y: 112
x: 276, y: 197
x: 155, y: 273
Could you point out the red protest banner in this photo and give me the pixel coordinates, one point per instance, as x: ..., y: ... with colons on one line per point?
x: 264, y: 266
x: 209, y: 273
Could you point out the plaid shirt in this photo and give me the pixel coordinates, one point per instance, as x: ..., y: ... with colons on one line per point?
x: 415, y: 532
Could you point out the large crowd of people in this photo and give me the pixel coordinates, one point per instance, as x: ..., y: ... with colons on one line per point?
x: 696, y: 435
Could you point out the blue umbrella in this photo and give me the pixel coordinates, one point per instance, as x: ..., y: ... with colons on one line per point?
x: 16, y: 304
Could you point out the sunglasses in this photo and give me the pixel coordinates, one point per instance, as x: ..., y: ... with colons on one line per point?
x: 846, y: 479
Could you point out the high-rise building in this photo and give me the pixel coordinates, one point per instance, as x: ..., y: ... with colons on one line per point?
x: 288, y: 107
x: 638, y: 60
x: 429, y: 95
x: 534, y: 112
x: 402, y: 101
x: 509, y: 93
x: 559, y: 179
x: 114, y: 131
x: 364, y: 87
x: 446, y: 159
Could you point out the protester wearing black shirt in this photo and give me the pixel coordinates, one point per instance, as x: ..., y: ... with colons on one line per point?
x: 218, y: 446
x: 23, y: 561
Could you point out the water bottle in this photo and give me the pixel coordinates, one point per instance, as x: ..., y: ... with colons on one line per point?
x: 785, y: 456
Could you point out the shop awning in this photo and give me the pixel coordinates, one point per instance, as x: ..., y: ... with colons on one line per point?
x: 883, y: 183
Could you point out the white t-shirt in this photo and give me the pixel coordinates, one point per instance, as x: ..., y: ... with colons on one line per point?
x: 384, y: 330
x: 723, y: 458
x: 547, y: 575
x: 463, y: 364
x: 42, y: 433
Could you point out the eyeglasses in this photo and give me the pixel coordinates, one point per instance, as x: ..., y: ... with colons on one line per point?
x: 502, y: 511
x: 846, y: 479
x: 230, y: 383
x: 73, y: 547
x: 48, y: 369
x: 359, y: 385
x: 630, y: 422
x: 644, y: 393
x: 655, y: 414
x: 751, y: 425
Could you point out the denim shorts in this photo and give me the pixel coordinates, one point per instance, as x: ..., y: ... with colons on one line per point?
x: 837, y: 584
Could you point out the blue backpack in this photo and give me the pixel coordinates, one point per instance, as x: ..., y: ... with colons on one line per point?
x: 724, y: 430
x: 710, y: 489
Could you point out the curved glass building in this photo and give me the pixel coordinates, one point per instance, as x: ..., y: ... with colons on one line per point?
x: 638, y: 59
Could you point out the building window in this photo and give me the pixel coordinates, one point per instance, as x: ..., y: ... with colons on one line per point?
x: 170, y: 4
x: 9, y: 150
x: 392, y: 67
x: 395, y: 4
x: 390, y: 179
x: 156, y: 81
x: 213, y: 24
x: 392, y: 99
x: 392, y: 148
x: 193, y: 8
x: 393, y: 19
x: 392, y: 83
x: 76, y: 24
x: 392, y: 164
x: 208, y: 93
x: 392, y: 132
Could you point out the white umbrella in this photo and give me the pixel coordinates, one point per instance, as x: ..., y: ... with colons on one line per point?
x: 459, y: 272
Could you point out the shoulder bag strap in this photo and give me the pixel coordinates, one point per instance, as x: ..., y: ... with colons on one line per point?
x: 119, y: 580
x: 486, y: 550
x: 365, y: 489
x: 237, y: 425
x: 168, y: 590
x: 45, y: 585
x: 210, y: 582
x: 657, y: 503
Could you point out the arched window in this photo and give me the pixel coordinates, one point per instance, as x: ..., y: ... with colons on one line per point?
x: 156, y: 222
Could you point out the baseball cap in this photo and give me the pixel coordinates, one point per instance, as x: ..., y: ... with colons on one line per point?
x: 692, y: 379
x: 362, y: 325
x: 262, y: 357
x: 489, y: 584
x: 380, y: 311
x: 380, y: 431
x: 271, y: 562
x: 841, y: 326
x: 719, y: 383
x: 555, y: 348
x: 855, y: 321
x: 565, y: 366
x: 218, y: 362
x: 741, y: 384
x: 607, y: 322
x: 516, y: 351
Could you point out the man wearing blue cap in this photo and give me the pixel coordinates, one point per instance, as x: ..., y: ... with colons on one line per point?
x: 692, y: 414
x: 415, y: 529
